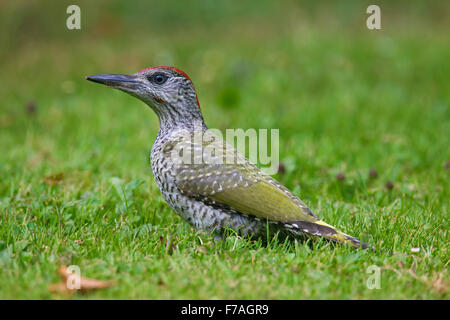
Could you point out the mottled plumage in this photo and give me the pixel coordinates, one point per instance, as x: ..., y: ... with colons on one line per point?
x: 206, y: 181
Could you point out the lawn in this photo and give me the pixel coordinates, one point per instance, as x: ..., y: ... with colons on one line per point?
x: 76, y: 186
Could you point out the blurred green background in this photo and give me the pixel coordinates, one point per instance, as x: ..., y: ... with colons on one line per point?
x: 345, y: 98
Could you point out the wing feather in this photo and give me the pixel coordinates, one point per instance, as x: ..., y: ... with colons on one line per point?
x: 216, y: 170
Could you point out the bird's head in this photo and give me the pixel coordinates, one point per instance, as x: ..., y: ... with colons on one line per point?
x: 167, y: 90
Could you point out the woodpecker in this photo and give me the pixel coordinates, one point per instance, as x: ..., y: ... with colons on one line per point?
x: 203, y: 187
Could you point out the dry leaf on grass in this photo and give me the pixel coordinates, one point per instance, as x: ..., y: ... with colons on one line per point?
x: 54, y: 179
x: 437, y: 283
x: 70, y: 284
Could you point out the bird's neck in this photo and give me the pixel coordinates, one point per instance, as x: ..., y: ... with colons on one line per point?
x: 175, y: 118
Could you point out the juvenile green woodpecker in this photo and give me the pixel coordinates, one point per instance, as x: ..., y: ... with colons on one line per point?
x: 206, y: 181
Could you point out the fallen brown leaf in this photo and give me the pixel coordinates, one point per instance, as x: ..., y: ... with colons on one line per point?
x: 438, y: 283
x: 86, y: 284
x: 54, y: 179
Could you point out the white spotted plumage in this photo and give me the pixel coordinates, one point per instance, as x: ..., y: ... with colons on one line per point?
x: 219, y: 190
x: 199, y: 212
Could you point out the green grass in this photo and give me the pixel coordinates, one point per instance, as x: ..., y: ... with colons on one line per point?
x: 344, y: 98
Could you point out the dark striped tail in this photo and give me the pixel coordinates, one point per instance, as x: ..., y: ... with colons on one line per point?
x: 322, y: 229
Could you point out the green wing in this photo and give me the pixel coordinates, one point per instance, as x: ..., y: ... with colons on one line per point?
x: 215, y: 170
x: 224, y: 175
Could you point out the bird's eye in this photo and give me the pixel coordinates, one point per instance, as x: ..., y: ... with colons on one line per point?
x: 158, y: 78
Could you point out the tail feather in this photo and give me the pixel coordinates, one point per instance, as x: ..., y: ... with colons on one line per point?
x: 322, y: 229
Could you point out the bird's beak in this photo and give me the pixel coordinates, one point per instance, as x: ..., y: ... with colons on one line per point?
x: 119, y: 81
